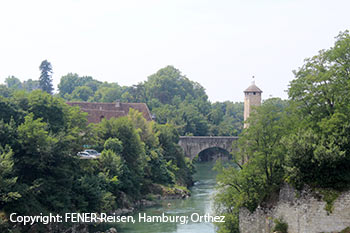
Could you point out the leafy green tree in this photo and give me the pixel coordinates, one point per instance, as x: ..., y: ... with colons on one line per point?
x: 217, y: 113
x: 8, y: 187
x: 13, y: 82
x: 114, y: 144
x: 166, y: 83
x: 111, y: 166
x: 258, y: 164
x: 52, y: 110
x: 41, y: 151
x: 8, y: 134
x: 34, y: 137
x: 89, y: 193
x: 7, y: 179
x: 43, y: 169
x: 171, y: 97
x: 156, y: 168
x: 173, y: 154
x: 306, y: 142
x: 226, y: 119
x: 194, y: 122
x: 145, y: 128
x: 68, y: 83
x: 44, y: 106
x: 82, y: 93
x: 30, y: 85
x: 71, y: 81
x: 5, y: 91
x: 133, y: 152
x: 45, y: 79
x: 107, y: 94
x: 10, y: 111
x: 319, y: 151
x: 136, y: 93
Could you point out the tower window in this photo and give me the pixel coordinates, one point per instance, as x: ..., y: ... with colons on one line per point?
x: 254, y: 93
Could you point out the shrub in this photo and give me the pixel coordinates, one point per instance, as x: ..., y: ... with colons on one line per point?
x: 280, y: 226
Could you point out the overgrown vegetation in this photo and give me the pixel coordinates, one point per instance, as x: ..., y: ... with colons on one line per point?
x: 329, y: 196
x: 280, y: 226
x: 304, y: 140
x: 40, y: 172
x: 171, y: 97
x: 40, y: 136
x: 346, y: 230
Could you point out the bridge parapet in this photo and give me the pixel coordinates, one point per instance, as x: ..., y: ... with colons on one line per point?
x: 193, y: 145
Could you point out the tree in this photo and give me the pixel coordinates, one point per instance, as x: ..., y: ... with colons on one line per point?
x: 111, y: 168
x: 70, y: 82
x: 107, y: 94
x: 258, y: 163
x: 82, y: 93
x: 321, y: 85
x: 7, y: 179
x: 319, y: 150
x: 45, y: 79
x: 13, y: 82
x: 173, y: 154
x: 114, y: 144
x: 5, y: 91
x: 133, y: 152
x: 170, y: 95
x: 30, y: 85
x: 9, y: 111
x: 145, y: 128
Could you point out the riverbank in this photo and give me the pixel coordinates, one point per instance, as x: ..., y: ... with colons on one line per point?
x: 158, y: 192
x: 200, y: 202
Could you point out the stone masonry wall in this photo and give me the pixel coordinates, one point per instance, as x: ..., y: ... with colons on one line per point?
x: 192, y: 145
x: 305, y: 214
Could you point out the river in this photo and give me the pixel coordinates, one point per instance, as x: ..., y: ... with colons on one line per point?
x: 201, y: 202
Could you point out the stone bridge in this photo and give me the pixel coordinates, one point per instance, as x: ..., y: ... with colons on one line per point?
x: 193, y: 145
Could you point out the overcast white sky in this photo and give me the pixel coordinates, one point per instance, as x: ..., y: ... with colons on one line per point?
x: 218, y: 43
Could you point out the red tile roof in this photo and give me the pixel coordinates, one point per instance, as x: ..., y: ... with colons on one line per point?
x: 98, y: 111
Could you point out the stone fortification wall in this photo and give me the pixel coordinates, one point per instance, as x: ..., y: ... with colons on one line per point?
x: 305, y: 214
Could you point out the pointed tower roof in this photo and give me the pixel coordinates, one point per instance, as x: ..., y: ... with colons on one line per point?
x: 253, y: 88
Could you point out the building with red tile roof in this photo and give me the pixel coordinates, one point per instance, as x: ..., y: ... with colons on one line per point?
x: 98, y: 111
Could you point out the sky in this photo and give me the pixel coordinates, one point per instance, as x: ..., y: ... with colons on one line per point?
x: 220, y: 44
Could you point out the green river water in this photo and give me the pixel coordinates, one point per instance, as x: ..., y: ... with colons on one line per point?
x: 200, y: 202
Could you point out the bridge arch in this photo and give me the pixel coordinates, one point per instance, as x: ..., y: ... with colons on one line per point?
x: 212, y: 154
x: 193, y: 145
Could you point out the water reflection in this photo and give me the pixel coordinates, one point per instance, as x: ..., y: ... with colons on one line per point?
x: 200, y: 202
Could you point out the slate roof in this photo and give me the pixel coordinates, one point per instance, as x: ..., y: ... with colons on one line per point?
x: 253, y: 88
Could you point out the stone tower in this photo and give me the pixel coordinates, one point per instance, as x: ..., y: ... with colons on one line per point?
x: 252, y: 97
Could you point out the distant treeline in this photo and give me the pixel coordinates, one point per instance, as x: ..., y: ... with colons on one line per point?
x: 171, y: 97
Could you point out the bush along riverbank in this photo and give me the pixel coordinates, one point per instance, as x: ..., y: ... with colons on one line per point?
x: 40, y: 136
x: 158, y: 192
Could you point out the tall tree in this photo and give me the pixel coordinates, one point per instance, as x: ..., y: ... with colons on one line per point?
x: 319, y: 152
x: 13, y: 82
x: 45, y: 80
x: 253, y: 182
